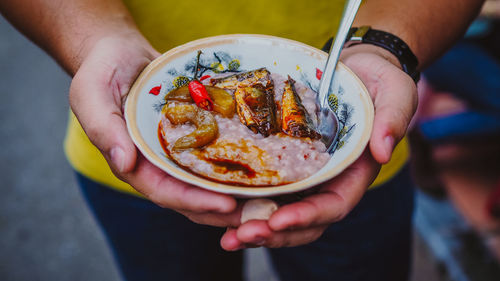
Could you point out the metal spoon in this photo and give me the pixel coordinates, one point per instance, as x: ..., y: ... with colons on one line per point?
x: 328, y: 122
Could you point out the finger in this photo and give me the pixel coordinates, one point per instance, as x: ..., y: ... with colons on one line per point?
x: 96, y: 99
x: 294, y: 238
x: 229, y: 240
x: 395, y: 102
x: 393, y: 92
x: 231, y: 219
x: 249, y: 235
x: 254, y: 209
x: 334, y: 200
x: 256, y: 233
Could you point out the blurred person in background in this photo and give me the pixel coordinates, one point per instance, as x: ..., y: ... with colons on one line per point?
x: 342, y: 231
x: 456, y: 141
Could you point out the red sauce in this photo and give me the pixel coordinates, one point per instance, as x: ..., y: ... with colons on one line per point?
x: 163, y: 142
x: 226, y: 166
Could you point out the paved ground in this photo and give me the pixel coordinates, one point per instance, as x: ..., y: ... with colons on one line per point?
x: 46, y: 231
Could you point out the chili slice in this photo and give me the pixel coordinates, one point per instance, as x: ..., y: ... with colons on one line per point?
x: 200, y: 96
x: 155, y: 90
x: 198, y: 91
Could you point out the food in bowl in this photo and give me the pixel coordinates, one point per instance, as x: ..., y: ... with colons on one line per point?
x: 237, y: 53
x: 252, y: 128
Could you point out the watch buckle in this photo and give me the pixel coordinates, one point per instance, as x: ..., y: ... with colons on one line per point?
x: 360, y: 32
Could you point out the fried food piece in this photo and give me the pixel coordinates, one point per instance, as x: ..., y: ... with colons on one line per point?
x: 256, y: 109
x: 179, y: 94
x: 246, y: 79
x: 206, y: 126
x: 295, y: 120
x: 223, y: 101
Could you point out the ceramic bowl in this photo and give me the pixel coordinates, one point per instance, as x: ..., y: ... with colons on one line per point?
x: 351, y: 101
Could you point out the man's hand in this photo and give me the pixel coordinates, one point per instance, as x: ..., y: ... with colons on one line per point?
x: 97, y: 93
x: 395, y: 98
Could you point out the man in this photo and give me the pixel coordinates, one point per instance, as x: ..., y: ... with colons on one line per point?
x: 100, y: 45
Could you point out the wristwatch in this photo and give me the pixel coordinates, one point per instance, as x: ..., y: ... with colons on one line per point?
x: 388, y: 41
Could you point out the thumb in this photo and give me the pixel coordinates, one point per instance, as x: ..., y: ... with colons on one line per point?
x: 96, y: 100
x: 395, y: 103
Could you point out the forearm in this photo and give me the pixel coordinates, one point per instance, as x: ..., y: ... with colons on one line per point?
x: 68, y: 29
x: 429, y: 27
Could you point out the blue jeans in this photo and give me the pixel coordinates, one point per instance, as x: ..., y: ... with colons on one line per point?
x: 151, y: 243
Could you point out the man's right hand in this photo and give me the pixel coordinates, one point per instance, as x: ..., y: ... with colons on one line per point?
x: 97, y: 95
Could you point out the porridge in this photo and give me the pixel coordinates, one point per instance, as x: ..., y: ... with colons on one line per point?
x: 257, y: 131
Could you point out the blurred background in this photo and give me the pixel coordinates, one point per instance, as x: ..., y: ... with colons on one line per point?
x: 48, y: 233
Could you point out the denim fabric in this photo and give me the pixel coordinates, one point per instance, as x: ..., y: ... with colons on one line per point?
x: 151, y: 243
x: 372, y: 243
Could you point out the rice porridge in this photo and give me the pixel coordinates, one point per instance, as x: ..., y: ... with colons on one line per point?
x: 259, y: 133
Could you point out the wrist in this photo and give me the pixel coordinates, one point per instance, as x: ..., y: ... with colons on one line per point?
x: 74, y: 53
x: 371, y: 49
x: 85, y: 23
x: 388, y: 41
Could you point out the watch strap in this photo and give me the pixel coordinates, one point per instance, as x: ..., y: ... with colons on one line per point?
x: 388, y: 41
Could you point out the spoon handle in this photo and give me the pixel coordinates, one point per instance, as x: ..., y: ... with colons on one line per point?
x: 350, y: 10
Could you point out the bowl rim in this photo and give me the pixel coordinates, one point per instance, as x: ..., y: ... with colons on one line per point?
x: 130, y: 113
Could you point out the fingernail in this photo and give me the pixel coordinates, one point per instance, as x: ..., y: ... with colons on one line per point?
x: 260, y: 242
x: 389, y: 145
x: 239, y: 248
x: 118, y: 158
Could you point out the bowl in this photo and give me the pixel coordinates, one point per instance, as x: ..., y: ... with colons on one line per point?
x: 303, y: 63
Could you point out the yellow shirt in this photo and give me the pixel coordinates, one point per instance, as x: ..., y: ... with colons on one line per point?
x: 167, y: 24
